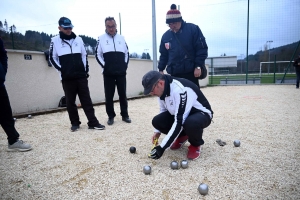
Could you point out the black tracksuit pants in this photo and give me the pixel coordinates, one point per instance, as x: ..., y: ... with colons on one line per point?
x: 192, y: 127
x: 110, y: 83
x: 6, y: 119
x: 189, y: 76
x: 80, y: 87
x: 298, y: 78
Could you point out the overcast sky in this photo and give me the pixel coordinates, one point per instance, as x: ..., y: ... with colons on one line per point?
x: 223, y: 22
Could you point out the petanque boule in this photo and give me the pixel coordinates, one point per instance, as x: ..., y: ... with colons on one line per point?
x: 132, y: 149
x: 174, y: 165
x: 15, y: 119
x: 147, y: 170
x: 29, y: 116
x: 236, y: 143
x: 184, y: 164
x: 203, y: 189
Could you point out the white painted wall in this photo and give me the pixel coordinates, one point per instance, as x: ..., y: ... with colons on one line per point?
x: 222, y: 61
x: 33, y: 86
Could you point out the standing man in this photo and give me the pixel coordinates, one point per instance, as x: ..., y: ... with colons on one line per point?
x: 68, y: 56
x: 183, y: 49
x: 184, y: 113
x: 112, y: 55
x: 6, y: 119
x: 297, y: 69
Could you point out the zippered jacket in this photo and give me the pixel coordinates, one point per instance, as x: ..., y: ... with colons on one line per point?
x: 183, y: 51
x: 69, y: 57
x: 181, y: 98
x: 112, y: 54
x: 3, y: 63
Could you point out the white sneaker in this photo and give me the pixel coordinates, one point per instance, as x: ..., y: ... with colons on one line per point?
x: 19, y: 145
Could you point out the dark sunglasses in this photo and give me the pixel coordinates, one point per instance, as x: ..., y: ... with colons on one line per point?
x: 67, y: 28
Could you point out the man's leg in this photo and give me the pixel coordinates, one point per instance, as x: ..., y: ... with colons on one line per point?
x: 163, y: 122
x: 71, y: 89
x: 6, y: 119
x: 121, y: 86
x: 189, y: 76
x: 86, y: 101
x: 194, y: 125
x: 109, y: 90
x: 298, y: 78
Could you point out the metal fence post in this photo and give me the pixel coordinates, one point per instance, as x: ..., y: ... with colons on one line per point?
x: 274, y: 68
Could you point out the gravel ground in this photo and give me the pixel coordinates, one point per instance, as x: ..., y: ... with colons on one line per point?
x: 91, y: 164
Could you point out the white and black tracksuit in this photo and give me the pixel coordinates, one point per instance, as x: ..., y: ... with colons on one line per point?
x: 68, y: 56
x: 112, y: 55
x: 184, y: 110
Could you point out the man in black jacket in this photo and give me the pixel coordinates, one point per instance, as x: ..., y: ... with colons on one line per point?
x: 112, y: 55
x: 297, y: 69
x: 68, y: 56
x: 6, y: 119
x: 183, y: 49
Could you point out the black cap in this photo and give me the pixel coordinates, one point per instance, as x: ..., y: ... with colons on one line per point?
x: 149, y: 80
x: 65, y: 22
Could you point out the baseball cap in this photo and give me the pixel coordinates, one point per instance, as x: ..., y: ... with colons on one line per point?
x: 149, y: 80
x: 65, y: 22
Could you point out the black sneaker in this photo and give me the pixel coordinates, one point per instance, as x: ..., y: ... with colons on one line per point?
x: 126, y: 119
x: 110, y: 121
x: 98, y: 127
x: 74, y: 128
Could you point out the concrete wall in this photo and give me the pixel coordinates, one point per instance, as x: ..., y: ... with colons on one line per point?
x: 33, y: 86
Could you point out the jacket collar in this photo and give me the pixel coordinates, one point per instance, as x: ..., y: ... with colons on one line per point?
x: 110, y: 34
x: 168, y: 80
x: 66, y: 37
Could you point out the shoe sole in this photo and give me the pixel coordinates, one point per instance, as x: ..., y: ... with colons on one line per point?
x: 193, y: 158
x: 96, y: 128
x: 180, y: 146
x: 197, y: 157
x: 20, y: 150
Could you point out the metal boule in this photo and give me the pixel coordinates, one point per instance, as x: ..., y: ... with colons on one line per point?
x: 147, y: 170
x: 236, y: 143
x: 174, y: 165
x: 203, y: 189
x: 184, y: 164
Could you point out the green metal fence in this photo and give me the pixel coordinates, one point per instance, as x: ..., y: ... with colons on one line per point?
x: 263, y: 35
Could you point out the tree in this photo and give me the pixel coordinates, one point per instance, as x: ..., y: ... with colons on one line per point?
x: 6, y: 26
x: 144, y: 56
x: 133, y: 55
x: 89, y: 43
x: 1, y: 26
x: 148, y: 56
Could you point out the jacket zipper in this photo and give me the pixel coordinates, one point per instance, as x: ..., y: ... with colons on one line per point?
x: 71, y: 50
